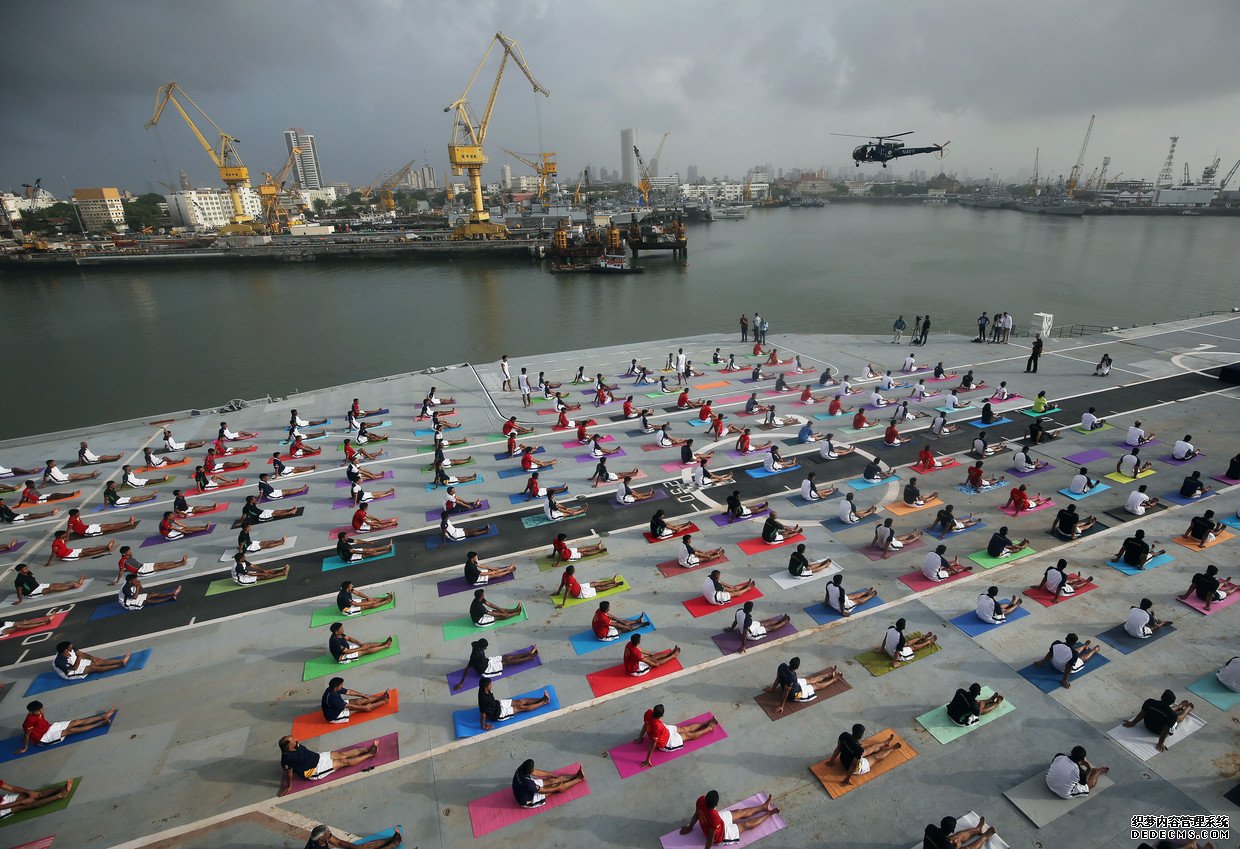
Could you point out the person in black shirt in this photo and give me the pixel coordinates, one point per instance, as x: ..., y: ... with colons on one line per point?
x: 874, y: 471
x: 1193, y: 486
x: 267, y: 492
x: 945, y: 836
x: 774, y: 531
x: 1001, y: 546
x: 28, y: 586
x: 688, y: 456
x: 311, y: 765
x: 913, y: 496
x: 966, y: 708
x: 350, y: 550
x: 246, y: 544
x: 351, y: 601
x: 1136, y: 551
x: 477, y: 575
x: 339, y: 702
x: 1162, y: 716
x: 660, y: 528
x: 988, y: 414
x: 345, y: 649
x: 1203, y: 529
x: 483, y: 613
x: 800, y: 566
x: 485, y: 666
x: 856, y: 757
x: 1208, y: 588
x: 950, y: 522
x: 736, y: 510
x: 798, y: 688
x: 321, y: 837
x: 1069, y: 525
x: 254, y: 514
x: 491, y: 709
x: 1037, y: 433
x: 111, y: 497
x: 183, y: 509
x: 1233, y: 468
x: 531, y: 786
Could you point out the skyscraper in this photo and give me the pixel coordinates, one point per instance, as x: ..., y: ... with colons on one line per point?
x: 505, y: 179
x: 691, y: 173
x: 428, y: 176
x: 628, y: 161
x: 305, y: 163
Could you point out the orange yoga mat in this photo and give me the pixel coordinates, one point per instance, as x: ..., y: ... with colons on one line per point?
x: 832, y: 776
x: 314, y: 725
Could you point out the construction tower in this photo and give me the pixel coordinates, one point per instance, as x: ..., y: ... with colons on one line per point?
x: 1164, y: 176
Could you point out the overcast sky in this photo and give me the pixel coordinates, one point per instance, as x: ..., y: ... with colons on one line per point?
x: 734, y: 83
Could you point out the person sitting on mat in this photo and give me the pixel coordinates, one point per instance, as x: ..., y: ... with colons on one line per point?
x: 62, y: 551
x: 9, y: 517
x: 313, y: 766
x: 857, y: 758
x: 295, y: 419
x: 36, y: 729
x: 299, y: 449
x: 1068, y: 655
x: 860, y: 421
x: 716, y: 591
x: 1038, y: 434
x: 531, y: 786
x: 1020, y: 502
x: 483, y: 613
x: 935, y: 567
x: 1162, y: 717
x: 1184, y: 449
x: 338, y: 704
x: 52, y: 474
x: 246, y: 574
x: 888, y: 541
x: 132, y: 595
x: 638, y: 661
x: 921, y: 391
x: 736, y: 510
x: 800, y: 566
x: 926, y: 461
x: 836, y: 407
x: 900, y: 649
x: 607, y: 627
x: 351, y: 601
x: 745, y: 445
x: 535, y: 489
x: 843, y: 602
x: 477, y: 575
x: 1071, y: 776
x: 945, y: 836
x: 1208, y: 588
x: 774, y: 531
x: 363, y: 522
x: 955, y: 402
x: 912, y: 495
x: 214, y: 465
x: 1137, y: 436
x: 86, y: 457
x: 12, y: 626
x: 829, y: 450
x: 848, y: 513
x: 454, y: 503
x: 966, y: 708
x: 28, y: 586
x: 1069, y: 525
x: 660, y: 528
x: 78, y: 529
x: 73, y: 665
x: 892, y: 438
x: 250, y: 510
x: 947, y: 520
x: 1229, y: 674
x: 267, y: 492
x: 625, y: 494
x: 448, y: 532
x: 669, y: 738
x: 1203, y: 530
x: 246, y: 543
x: 664, y: 439
x: 754, y: 629
x: 345, y: 649
x: 875, y: 471
x: 204, y: 482
x: 810, y: 491
x: 442, y: 478
x: 1136, y: 552
x: 280, y: 470
x: 572, y: 587
x: 774, y: 462
x: 992, y: 611
x: 1141, y: 622
x: 939, y: 425
x: 691, y: 558
x: 1090, y: 420
x: 350, y: 550
x: 30, y: 495
x: 976, y: 478
x: 723, y: 828
x: 1130, y: 464
x: 1057, y: 581
x: 563, y: 552
x: 807, y: 396
x: 14, y: 799
x: 170, y: 443
x: 1193, y: 486
x: 1041, y: 403
x: 983, y: 448
x: 1001, y: 546
x: 1023, y: 461
x: 511, y: 427
x: 799, y: 689
x: 684, y: 402
x: 1082, y: 483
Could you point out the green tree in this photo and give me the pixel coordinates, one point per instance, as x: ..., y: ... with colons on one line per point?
x: 144, y: 211
x: 320, y: 206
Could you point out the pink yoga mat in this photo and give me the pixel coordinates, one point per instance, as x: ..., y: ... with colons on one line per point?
x: 590, y: 458
x: 917, y: 582
x: 672, y: 568
x: 723, y: 519
x: 1011, y: 511
x: 676, y: 467
x: 1200, y: 606
x: 389, y: 751
x: 628, y: 757
x: 699, y: 607
x: 876, y: 554
x: 694, y: 839
x: 499, y: 810
x: 1046, y: 599
x: 757, y: 546
x: 1225, y: 479
x: 342, y: 503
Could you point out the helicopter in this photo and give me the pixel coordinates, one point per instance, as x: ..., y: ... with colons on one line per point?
x: 884, y: 148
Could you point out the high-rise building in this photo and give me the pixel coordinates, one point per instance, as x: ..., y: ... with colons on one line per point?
x: 306, y: 162
x: 505, y: 176
x: 428, y: 176
x: 629, y: 139
x: 100, y: 208
x: 691, y: 173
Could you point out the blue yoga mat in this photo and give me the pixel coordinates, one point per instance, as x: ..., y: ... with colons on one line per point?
x: 1176, y: 498
x: 467, y: 723
x: 938, y: 532
x: 1047, y: 678
x: 696, y: 423
x: 108, y: 610
x: 504, y: 455
x: 977, y: 423
x: 971, y: 625
x: 334, y: 562
x: 821, y: 614
x: 763, y: 473
x: 48, y: 681
x: 586, y: 642
x: 835, y: 524
x: 1124, y: 643
x: 862, y: 483
x: 430, y: 487
x: 433, y: 541
x: 9, y: 747
x: 1133, y: 570
x: 1102, y: 487
x: 519, y: 472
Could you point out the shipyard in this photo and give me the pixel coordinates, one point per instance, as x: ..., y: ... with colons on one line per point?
x: 574, y: 426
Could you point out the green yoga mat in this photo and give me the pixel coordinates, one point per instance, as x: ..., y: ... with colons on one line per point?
x: 325, y: 664
x: 877, y: 663
x: 555, y: 598
x: 464, y: 627
x: 1080, y: 429
x: 546, y: 564
x: 945, y: 731
x: 455, y: 465
x: 987, y: 562
x: 227, y: 585
x: 331, y: 613
x: 60, y: 805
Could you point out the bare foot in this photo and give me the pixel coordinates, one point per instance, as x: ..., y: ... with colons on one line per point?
x: 111, y: 712
x: 176, y: 593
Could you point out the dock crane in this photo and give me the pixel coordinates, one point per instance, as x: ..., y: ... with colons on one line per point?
x: 1075, y: 176
x: 275, y: 215
x: 1223, y: 183
x: 546, y: 169
x: 465, y: 155
x: 657, y: 160
x: 387, y: 198
x: 577, y: 196
x: 644, y: 180
x: 232, y: 170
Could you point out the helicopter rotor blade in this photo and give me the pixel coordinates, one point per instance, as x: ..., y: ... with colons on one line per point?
x: 896, y: 135
x: 851, y: 136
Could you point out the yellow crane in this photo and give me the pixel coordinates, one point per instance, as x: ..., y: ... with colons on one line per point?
x: 465, y: 153
x: 546, y: 169
x: 275, y: 215
x: 387, y: 199
x: 1074, y: 176
x: 232, y: 170
x: 577, y: 197
x: 643, y: 179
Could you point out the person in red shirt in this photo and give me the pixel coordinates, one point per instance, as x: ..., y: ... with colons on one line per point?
x: 860, y: 421
x: 535, y: 489
x: 62, y: 551
x: 637, y: 662
x: 221, y: 446
x: 705, y: 412
x: 1020, y: 502
x: 563, y: 422
x: 79, y: 529
x: 891, y: 436
x: 607, y: 627
x: 774, y: 360
x: 529, y: 463
x: 583, y: 433
x: 357, y: 410
x: 516, y: 449
x: 757, y: 349
x: 836, y: 407
x: 926, y: 459
x: 745, y: 446
x: 363, y: 522
x: 684, y: 402
x: 669, y: 738
x: 631, y: 412
x: 562, y: 552
x: 572, y: 587
x: 170, y: 528
x: 128, y: 564
x: 977, y: 479
x: 510, y: 427
x: 808, y: 397
x: 30, y: 495
x: 214, y: 465
x: 722, y: 827
x: 350, y: 451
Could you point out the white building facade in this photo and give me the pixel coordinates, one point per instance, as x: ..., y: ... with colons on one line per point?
x: 209, y: 209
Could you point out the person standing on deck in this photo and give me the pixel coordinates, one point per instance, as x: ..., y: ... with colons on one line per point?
x: 1031, y: 365
x: 744, y: 328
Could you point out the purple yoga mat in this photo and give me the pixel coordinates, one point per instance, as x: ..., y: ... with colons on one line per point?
x: 1087, y: 456
x: 659, y: 495
x: 342, y: 503
x: 1045, y: 468
x: 722, y: 520
x: 452, y: 586
x: 158, y: 540
x: 628, y: 757
x: 876, y: 554
x: 433, y: 515
x: 729, y: 642
x: 1124, y: 444
x: 1174, y: 462
x: 589, y: 458
x: 388, y: 752
x: 1224, y: 479
x: 573, y: 443
x: 471, y: 677
x: 387, y: 476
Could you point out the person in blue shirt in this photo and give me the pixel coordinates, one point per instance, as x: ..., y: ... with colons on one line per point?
x: 313, y: 766
x: 532, y: 786
x: 339, y: 702
x: 806, y: 434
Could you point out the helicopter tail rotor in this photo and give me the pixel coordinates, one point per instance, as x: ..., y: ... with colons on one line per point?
x: 941, y: 152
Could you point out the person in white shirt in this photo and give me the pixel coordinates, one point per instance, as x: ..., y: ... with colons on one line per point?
x: 1058, y: 582
x: 877, y: 400
x: 830, y: 450
x: 171, y: 444
x: 843, y: 602
x: 505, y: 373
x: 939, y: 425
x: 992, y: 611
x: 775, y: 463
x: 755, y: 629
x: 983, y: 448
x: 1089, y: 421
x: 1184, y: 448
x: 848, y: 512
x: 1082, y: 482
x: 910, y: 363
x: 716, y: 591
x: 1007, y: 327
x: 1002, y: 393
x: 937, y: 568
x: 703, y: 476
x: 901, y: 649
x: 1229, y: 675
x: 691, y: 557
x: 1137, y: 435
x: 1071, y: 776
x: 1023, y: 462
x: 921, y: 391
x: 1067, y: 656
x: 625, y: 494
x: 1138, y: 502
x: 888, y: 541
x: 1141, y: 622
x: 1130, y: 464
x: 810, y: 491
x: 886, y: 382
x: 956, y: 402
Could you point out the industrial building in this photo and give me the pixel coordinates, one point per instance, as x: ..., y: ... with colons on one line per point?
x: 207, y: 209
x: 100, y: 208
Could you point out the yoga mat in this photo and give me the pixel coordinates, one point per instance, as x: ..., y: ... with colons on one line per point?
x: 1219, y: 538
x: 658, y: 495
x: 1143, y: 743
x: 171, y: 464
x: 1087, y: 456
x: 1176, y: 498
x: 939, y: 534
x: 770, y: 701
x: 942, y: 728
x: 573, y: 443
x: 714, y: 384
x: 699, y: 606
x: 1119, y: 478
x: 1048, y: 679
x: 971, y: 820
x: 312, y: 724
x: 763, y: 473
x: 1229, y: 521
x: 729, y: 642
x: 918, y: 582
x: 787, y: 581
x: 573, y: 602
x: 197, y: 490
x: 331, y: 613
x: 499, y: 810
x: 628, y: 756
x: 523, y: 498
x: 1213, y: 691
x: 451, y: 586
x: 1045, y: 599
x: 9, y: 747
x: 672, y: 568
x: 1174, y: 462
x: 981, y: 558
x: 386, y: 476
x: 45, y: 682
x: 324, y: 664
x: 902, y: 509
x: 389, y: 751
x: 228, y: 585
x: 1045, y: 505
x: 433, y: 541
x: 948, y: 463
x: 57, y: 621
x: 1133, y: 570
x: 548, y: 562
x: 1033, y: 799
x: 822, y: 614
x: 454, y: 629
x: 862, y: 483
x: 298, y: 511
x: 432, y: 487
x: 334, y: 562
x: 107, y: 610
x: 795, y: 499
x: 614, y: 678
x: 288, y: 457
x: 757, y: 546
x: 822, y: 417
x: 343, y: 503
x: 472, y: 678
x: 586, y: 642
x: 538, y: 520
x: 504, y: 455
x: 974, y: 627
x: 53, y: 807
x: 1123, y: 443
x: 1123, y: 642
x: 1200, y: 606
x: 1224, y: 479
x: 590, y: 458
x: 1096, y: 528
x: 267, y: 554
x: 878, y: 663
x: 837, y: 525
x: 1048, y: 411
x: 1017, y: 473
x: 159, y: 540
x: 504, y: 474
x: 691, y: 529
x: 832, y: 776
x: 9, y: 601
x: 433, y: 515
x: 1124, y: 516
x: 979, y: 424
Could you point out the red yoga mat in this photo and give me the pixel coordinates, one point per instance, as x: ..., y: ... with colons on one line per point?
x: 217, y: 507
x: 499, y: 809
x: 614, y: 678
x: 310, y: 725
x: 949, y: 463
x: 220, y: 488
x: 757, y: 546
x: 1046, y: 599
x: 692, y: 529
x: 917, y: 581
x: 699, y: 607
x: 672, y: 568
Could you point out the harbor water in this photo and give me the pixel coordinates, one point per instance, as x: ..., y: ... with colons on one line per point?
x: 96, y: 346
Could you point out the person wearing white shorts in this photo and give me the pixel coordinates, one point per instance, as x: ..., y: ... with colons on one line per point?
x: 797, y: 688
x: 1141, y: 622
x: 723, y: 828
x: 1070, y: 776
x: 313, y: 766
x: 245, y: 574
x: 858, y: 758
x: 132, y: 595
x: 1067, y: 656
x: 14, y: 799
x: 843, y: 602
x: 36, y: 729
x: 669, y: 738
x: 572, y: 587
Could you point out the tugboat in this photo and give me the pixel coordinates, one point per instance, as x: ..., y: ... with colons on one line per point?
x: 615, y: 264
